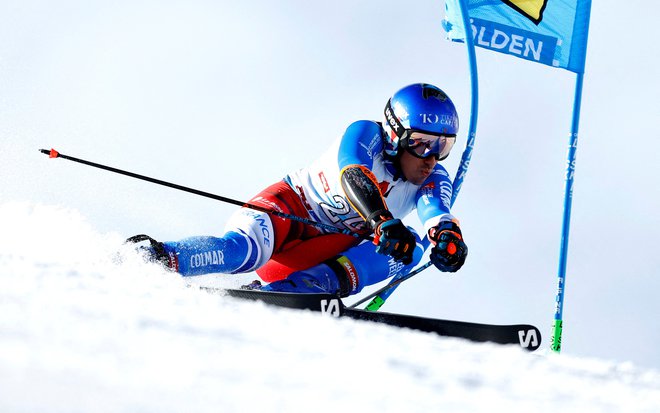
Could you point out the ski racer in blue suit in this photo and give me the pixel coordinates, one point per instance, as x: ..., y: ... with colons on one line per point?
x: 376, y: 174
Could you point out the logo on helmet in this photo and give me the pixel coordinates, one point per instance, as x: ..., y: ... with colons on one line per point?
x: 429, y: 118
x: 434, y: 118
x: 448, y: 120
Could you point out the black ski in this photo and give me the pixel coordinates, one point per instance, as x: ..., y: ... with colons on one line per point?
x: 525, y: 335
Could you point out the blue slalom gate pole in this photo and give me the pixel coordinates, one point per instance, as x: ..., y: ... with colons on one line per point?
x: 558, y: 323
x: 557, y: 327
x: 474, y: 108
x: 380, y: 298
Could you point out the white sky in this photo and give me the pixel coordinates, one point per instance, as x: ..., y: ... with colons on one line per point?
x: 228, y: 97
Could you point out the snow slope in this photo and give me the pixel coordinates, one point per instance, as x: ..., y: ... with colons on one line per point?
x: 87, y: 326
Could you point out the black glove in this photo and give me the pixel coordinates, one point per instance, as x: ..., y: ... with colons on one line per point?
x: 449, y: 251
x: 155, y: 252
x: 393, y: 238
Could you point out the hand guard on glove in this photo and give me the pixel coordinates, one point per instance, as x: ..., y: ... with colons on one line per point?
x: 393, y: 238
x: 449, y: 251
x: 155, y: 252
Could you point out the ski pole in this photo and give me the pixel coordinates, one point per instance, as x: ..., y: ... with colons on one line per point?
x: 55, y: 154
x: 393, y: 283
x: 377, y: 302
x: 380, y: 299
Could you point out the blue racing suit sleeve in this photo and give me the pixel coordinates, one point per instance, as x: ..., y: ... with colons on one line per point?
x: 433, y: 198
x: 361, y: 142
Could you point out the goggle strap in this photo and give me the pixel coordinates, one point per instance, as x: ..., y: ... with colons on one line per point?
x: 393, y: 121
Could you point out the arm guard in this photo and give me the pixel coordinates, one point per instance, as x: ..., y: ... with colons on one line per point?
x: 362, y: 191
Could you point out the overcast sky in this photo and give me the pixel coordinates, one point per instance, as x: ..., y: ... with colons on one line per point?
x: 228, y: 97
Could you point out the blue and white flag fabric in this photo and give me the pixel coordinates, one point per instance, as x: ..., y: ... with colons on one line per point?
x: 552, y: 32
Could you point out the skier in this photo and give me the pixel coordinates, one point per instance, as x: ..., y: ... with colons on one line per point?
x: 376, y: 174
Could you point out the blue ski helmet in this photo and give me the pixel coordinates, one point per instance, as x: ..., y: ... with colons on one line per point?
x: 419, y: 107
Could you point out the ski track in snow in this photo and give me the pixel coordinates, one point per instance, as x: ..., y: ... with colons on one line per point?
x: 87, y: 326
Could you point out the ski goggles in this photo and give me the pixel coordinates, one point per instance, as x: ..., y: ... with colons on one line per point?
x: 423, y: 145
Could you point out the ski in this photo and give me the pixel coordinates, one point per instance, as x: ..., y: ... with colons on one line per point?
x: 300, y: 301
x: 525, y: 335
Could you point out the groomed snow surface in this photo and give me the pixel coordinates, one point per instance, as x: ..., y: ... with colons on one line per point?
x: 87, y: 326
